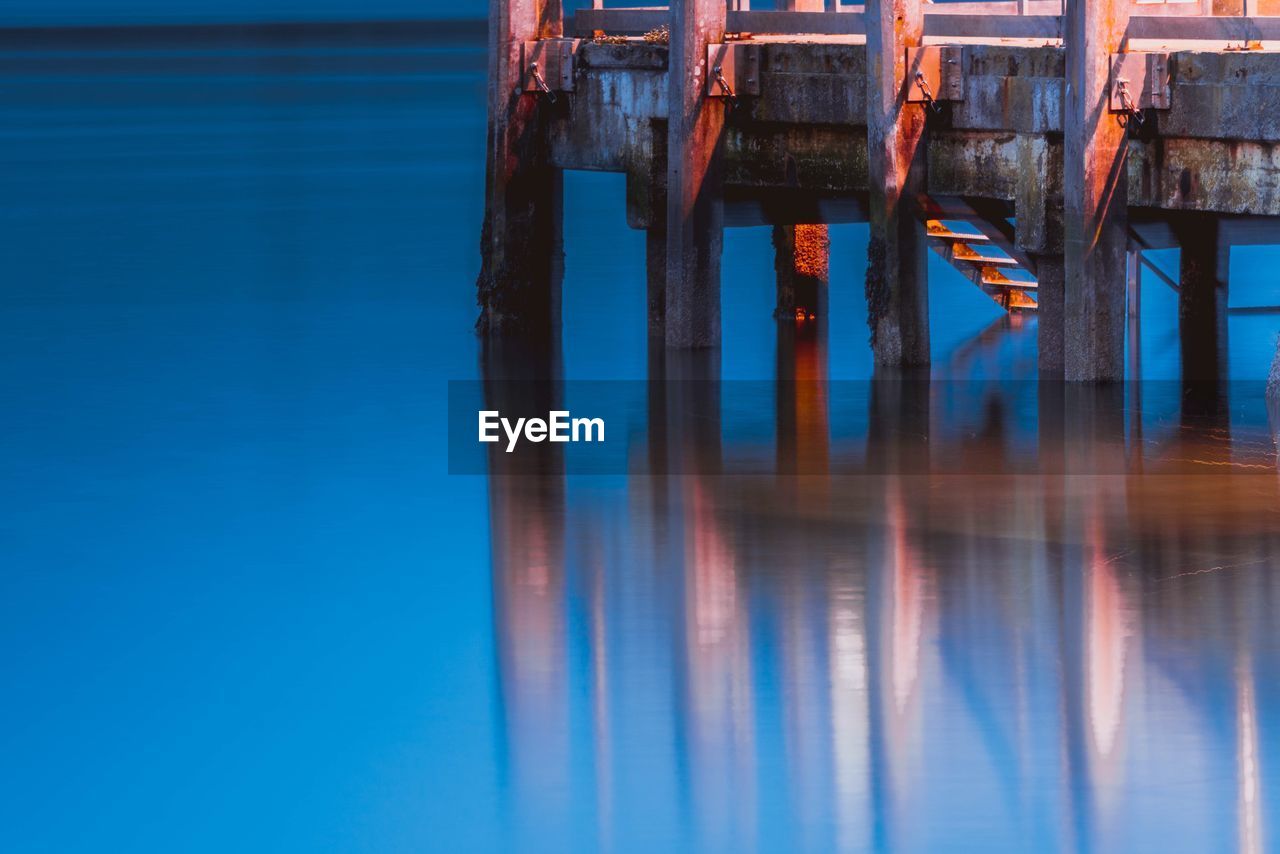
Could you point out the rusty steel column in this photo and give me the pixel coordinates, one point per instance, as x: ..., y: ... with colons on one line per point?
x: 897, y: 273
x: 1202, y: 296
x: 520, y: 242
x: 1095, y: 193
x: 695, y: 206
x: 801, y: 261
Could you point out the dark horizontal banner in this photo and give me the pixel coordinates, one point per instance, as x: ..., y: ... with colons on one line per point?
x: 507, y: 427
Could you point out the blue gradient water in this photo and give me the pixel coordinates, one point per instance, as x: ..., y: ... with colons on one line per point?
x: 244, y: 607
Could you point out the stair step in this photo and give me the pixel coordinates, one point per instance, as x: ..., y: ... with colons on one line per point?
x: 961, y: 252
x: 1013, y: 284
x: 938, y: 229
x: 1011, y: 299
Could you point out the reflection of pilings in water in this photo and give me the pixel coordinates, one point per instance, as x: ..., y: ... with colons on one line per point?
x: 1096, y: 647
x: 684, y: 412
x: 526, y: 512
x: 601, y: 724
x: 717, y: 683
x: 895, y: 624
x: 527, y: 520
x: 899, y: 421
x: 803, y: 443
x: 1248, y: 779
x: 847, y: 656
x: 806, y: 695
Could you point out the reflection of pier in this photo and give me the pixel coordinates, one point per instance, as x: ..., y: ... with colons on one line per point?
x: 1038, y: 161
x: 753, y: 667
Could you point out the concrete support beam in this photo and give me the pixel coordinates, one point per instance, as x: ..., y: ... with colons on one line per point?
x: 520, y: 243
x: 801, y: 261
x: 1095, y: 194
x: 1202, y: 296
x: 897, y: 278
x: 695, y: 206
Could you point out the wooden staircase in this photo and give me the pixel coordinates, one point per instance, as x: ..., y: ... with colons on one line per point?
x: 977, y: 253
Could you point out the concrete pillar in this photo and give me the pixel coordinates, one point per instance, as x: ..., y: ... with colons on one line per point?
x: 695, y: 206
x: 521, y: 245
x: 897, y: 278
x: 1095, y: 194
x: 801, y: 261
x: 1202, y: 296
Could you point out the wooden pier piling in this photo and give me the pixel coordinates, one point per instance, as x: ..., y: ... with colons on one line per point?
x: 897, y: 284
x: 1202, y: 296
x: 521, y: 240
x: 1095, y: 191
x: 695, y: 204
x: 802, y: 267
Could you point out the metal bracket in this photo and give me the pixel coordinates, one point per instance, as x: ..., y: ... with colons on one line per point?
x: 554, y: 64
x: 942, y: 69
x: 1146, y: 81
x: 739, y: 65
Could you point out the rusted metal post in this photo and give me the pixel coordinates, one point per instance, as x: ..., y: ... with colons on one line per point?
x: 1202, y: 296
x: 897, y: 278
x: 1095, y: 193
x: 520, y: 243
x: 695, y: 206
x: 801, y: 258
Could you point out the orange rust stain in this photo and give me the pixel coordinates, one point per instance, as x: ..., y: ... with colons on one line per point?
x: 812, y: 251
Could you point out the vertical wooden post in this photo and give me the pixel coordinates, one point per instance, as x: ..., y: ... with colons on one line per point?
x: 897, y: 278
x: 801, y: 258
x: 520, y: 242
x: 1050, y: 291
x: 655, y: 259
x: 1038, y: 232
x: 695, y: 206
x: 1202, y: 296
x: 1096, y: 194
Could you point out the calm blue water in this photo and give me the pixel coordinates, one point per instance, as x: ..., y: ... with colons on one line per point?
x: 246, y: 608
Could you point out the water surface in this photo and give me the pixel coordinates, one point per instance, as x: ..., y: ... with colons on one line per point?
x: 246, y: 606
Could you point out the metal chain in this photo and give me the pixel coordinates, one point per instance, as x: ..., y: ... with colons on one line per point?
x: 541, y: 84
x: 1131, y: 110
x: 929, y: 100
x: 724, y: 84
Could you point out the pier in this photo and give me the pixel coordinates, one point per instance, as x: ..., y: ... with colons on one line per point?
x: 1040, y: 148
